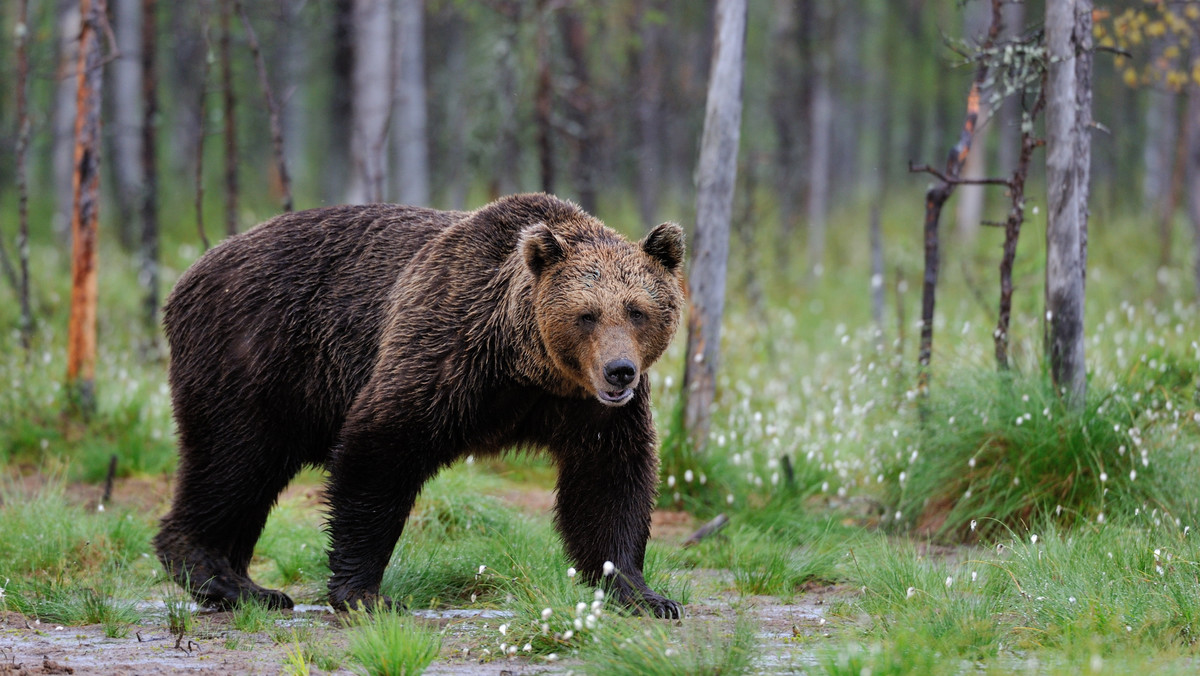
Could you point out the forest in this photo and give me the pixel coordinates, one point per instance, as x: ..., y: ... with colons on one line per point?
x: 933, y: 405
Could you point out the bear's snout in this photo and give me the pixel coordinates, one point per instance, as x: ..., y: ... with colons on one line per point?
x: 620, y: 372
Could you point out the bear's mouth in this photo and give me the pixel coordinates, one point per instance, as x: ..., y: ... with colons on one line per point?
x: 615, y: 398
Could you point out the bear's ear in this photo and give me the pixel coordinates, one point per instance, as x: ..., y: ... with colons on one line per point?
x: 541, y: 248
x: 665, y: 245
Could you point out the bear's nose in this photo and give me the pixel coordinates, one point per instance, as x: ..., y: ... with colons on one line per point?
x: 620, y: 372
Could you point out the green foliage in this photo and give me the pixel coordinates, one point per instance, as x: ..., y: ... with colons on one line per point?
x: 252, y: 617
x: 653, y: 650
x: 385, y: 643
x: 997, y: 451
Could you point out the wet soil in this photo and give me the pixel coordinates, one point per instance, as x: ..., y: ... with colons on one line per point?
x: 788, y: 632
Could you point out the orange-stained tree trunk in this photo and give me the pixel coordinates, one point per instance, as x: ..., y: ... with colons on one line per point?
x: 939, y: 192
x: 81, y: 331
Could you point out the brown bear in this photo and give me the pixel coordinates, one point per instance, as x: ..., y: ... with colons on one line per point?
x: 383, y: 343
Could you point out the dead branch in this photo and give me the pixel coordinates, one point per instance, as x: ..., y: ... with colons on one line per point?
x: 272, y: 108
x: 707, y: 529
x: 954, y: 180
x: 1012, y: 229
x: 937, y: 195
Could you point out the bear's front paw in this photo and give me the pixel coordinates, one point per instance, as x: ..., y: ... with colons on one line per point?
x: 646, y: 601
x: 362, y: 600
x: 662, y: 606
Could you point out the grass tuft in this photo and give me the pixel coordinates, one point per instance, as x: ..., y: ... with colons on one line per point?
x: 999, y: 452
x: 385, y: 643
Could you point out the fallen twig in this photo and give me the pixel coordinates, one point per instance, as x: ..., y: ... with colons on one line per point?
x: 707, y: 529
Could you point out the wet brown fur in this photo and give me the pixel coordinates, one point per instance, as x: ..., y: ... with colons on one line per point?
x: 384, y: 343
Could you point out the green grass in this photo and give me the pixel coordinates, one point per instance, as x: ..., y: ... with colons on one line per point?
x: 654, y: 651
x: 1003, y: 452
x: 804, y: 384
x: 386, y: 643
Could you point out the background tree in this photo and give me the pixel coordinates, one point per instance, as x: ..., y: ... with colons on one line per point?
x: 715, y: 178
x: 1068, y: 152
x: 125, y: 131
x: 81, y: 338
x: 148, y: 254
x: 410, y: 129
x: 372, y: 101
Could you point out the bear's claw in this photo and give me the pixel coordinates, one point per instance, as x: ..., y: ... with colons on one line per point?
x: 368, y: 601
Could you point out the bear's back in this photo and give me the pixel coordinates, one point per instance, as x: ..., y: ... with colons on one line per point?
x: 292, y: 309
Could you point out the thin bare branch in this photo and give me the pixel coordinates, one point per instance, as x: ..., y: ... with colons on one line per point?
x: 272, y: 108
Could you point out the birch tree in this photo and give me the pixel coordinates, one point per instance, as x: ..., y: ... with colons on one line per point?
x: 67, y: 35
x: 372, y: 101
x: 715, y: 179
x: 126, y: 135
x: 410, y: 126
x: 1068, y: 154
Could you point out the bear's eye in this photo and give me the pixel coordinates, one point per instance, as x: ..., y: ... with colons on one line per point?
x: 636, y: 314
x: 587, y: 319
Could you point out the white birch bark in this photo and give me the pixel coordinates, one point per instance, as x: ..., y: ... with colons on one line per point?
x: 1065, y: 227
x: 715, y: 179
x: 127, y: 114
x: 372, y: 101
x: 409, y: 116
x: 63, y: 153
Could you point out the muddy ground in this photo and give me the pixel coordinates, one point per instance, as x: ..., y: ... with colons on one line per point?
x: 788, y: 633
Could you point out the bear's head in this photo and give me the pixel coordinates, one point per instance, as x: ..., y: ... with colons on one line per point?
x: 606, y: 308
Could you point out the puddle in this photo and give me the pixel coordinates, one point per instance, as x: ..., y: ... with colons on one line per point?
x: 460, y: 613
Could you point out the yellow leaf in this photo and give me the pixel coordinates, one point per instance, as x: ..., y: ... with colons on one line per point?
x: 1156, y: 29
x: 1192, y: 11
x: 1171, y: 52
x: 1131, y: 77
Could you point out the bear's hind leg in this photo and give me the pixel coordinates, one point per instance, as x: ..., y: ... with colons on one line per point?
x: 207, y: 539
x: 374, y: 481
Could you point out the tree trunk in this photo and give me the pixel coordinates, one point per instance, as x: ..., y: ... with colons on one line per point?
x: 580, y: 109
x: 65, y: 91
x: 507, y: 156
x: 454, y: 142
x: 787, y: 100
x: 649, y: 112
x: 22, y: 167
x: 820, y: 142
x: 1158, y: 154
x: 126, y: 135
x: 81, y: 330
x: 229, y: 101
x: 186, y: 60
x: 1192, y: 174
x: 543, y: 104
x: 935, y: 200
x: 149, y: 276
x: 1008, y: 113
x: 410, y: 129
x: 338, y: 158
x: 715, y: 179
x: 969, y: 208
x: 372, y: 93
x: 264, y: 82
x: 1083, y: 131
x: 1065, y: 227
x: 877, y: 277
x: 289, y: 64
